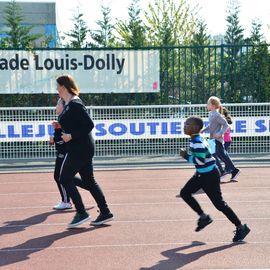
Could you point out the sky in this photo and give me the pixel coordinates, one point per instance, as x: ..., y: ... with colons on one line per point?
x: 212, y: 11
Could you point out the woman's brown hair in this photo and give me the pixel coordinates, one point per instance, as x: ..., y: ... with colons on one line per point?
x: 69, y: 83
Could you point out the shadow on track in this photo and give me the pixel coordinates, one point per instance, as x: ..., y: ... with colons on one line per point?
x: 21, y: 252
x: 15, y: 226
x: 176, y: 260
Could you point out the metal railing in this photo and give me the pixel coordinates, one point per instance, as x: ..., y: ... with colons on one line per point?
x: 131, y: 130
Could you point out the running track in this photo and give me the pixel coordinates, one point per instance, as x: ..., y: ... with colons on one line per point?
x: 153, y: 229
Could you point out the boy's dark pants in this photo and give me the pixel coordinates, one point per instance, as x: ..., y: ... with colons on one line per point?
x: 210, y: 183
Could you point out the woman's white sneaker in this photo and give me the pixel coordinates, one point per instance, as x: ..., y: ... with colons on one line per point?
x: 62, y: 206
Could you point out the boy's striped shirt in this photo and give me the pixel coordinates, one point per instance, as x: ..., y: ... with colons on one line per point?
x: 199, y: 154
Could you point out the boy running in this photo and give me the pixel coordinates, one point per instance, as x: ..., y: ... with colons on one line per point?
x: 206, y: 177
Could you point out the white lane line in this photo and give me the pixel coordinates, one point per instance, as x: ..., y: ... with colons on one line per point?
x: 6, y: 226
x: 28, y: 193
x: 26, y: 182
x: 27, y: 207
x: 123, y: 190
x: 204, y: 244
x: 107, y: 190
x: 180, y: 201
x: 143, y: 179
x: 140, y: 178
x: 134, y: 204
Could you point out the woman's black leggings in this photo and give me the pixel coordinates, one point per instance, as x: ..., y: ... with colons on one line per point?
x: 84, y: 166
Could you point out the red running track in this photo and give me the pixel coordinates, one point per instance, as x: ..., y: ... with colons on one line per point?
x: 153, y: 229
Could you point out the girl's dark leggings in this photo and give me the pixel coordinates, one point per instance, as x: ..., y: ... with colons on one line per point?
x: 210, y: 183
x: 58, y: 163
x: 222, y: 154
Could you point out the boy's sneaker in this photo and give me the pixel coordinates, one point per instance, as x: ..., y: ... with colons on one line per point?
x: 241, y: 233
x: 79, y: 219
x: 63, y: 206
x: 235, y: 174
x: 102, y: 218
x: 203, y: 222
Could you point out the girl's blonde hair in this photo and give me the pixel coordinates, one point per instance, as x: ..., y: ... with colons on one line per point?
x: 215, y: 101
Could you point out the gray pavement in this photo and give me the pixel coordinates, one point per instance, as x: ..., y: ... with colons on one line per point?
x: 126, y: 163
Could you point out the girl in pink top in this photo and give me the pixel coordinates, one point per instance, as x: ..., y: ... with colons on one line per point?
x: 227, y: 139
x: 227, y: 135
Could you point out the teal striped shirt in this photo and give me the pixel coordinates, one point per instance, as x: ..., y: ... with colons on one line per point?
x: 199, y: 154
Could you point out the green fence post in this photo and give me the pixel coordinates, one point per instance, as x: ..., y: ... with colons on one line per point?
x: 222, y: 70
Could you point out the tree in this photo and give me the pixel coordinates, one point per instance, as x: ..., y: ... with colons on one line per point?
x: 18, y: 35
x: 132, y: 33
x: 168, y: 23
x: 200, y: 35
x: 234, y: 38
x: 235, y: 33
x: 257, y: 66
x: 256, y: 36
x: 203, y: 62
x: 47, y: 41
x: 103, y: 37
x: 79, y: 34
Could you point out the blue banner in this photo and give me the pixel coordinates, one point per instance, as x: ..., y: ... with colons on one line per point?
x: 129, y: 129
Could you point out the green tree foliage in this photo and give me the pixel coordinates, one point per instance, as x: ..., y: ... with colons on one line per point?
x: 46, y: 41
x: 78, y: 36
x: 103, y: 36
x: 259, y: 74
x: 201, y: 36
x: 18, y: 35
x: 256, y: 36
x: 202, y: 64
x: 170, y: 23
x: 234, y: 37
x: 235, y: 33
x: 132, y: 33
x: 257, y: 69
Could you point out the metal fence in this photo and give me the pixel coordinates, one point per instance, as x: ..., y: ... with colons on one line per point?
x: 131, y: 130
x: 188, y: 75
x: 236, y: 73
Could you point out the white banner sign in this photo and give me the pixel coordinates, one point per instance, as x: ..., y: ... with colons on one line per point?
x: 129, y: 129
x: 96, y: 71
